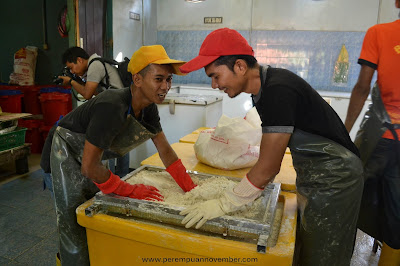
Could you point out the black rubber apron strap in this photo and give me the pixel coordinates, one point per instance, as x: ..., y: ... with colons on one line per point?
x: 392, y: 128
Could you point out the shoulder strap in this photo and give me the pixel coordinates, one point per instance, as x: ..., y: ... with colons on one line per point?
x: 107, y: 85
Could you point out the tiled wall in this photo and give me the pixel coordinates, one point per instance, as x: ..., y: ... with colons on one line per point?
x: 310, y: 54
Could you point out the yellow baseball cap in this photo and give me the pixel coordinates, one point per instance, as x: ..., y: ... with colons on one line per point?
x: 152, y: 54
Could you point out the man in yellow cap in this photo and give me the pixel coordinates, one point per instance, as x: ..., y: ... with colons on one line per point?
x: 110, y: 125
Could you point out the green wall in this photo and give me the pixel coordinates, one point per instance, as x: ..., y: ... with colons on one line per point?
x: 21, y: 25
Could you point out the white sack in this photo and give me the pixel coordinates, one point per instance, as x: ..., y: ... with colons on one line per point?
x: 233, y: 144
x: 24, y: 66
x: 253, y: 118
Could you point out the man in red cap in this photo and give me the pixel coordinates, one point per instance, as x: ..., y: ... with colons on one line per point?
x: 329, y: 172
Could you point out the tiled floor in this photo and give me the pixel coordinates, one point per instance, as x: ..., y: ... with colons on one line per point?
x: 28, y: 232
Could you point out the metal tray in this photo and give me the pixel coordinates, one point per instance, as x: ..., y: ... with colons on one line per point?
x: 259, y: 228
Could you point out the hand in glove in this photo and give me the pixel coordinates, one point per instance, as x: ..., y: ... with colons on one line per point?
x: 232, y: 200
x: 178, y: 173
x: 115, y: 185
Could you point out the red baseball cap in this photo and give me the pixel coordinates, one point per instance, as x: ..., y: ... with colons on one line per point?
x: 218, y: 43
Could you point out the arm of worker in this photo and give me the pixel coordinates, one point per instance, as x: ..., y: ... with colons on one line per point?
x: 172, y: 163
x: 358, y: 96
x: 108, y: 182
x: 87, y: 90
x: 272, y: 150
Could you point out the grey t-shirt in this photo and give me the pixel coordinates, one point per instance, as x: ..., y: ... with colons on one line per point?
x: 101, y: 120
x: 97, y: 73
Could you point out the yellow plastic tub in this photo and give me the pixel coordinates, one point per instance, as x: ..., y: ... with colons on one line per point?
x: 121, y: 241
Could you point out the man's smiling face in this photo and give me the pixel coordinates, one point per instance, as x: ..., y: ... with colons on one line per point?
x: 224, y: 79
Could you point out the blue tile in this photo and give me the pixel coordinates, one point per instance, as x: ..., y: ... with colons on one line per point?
x: 4, y: 210
x: 319, y: 48
x: 15, y: 263
x: 44, y: 253
x: 16, y: 198
x: 358, y: 38
x: 16, y: 243
x: 40, y: 205
x: 14, y: 219
x: 4, y: 261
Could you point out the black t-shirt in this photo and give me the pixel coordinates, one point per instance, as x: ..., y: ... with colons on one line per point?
x: 101, y: 119
x: 286, y: 101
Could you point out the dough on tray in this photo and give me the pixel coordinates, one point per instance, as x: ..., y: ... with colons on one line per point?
x: 207, y: 188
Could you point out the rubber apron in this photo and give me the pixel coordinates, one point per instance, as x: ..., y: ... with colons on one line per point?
x: 329, y: 187
x: 71, y: 188
x: 375, y: 122
x: 372, y: 126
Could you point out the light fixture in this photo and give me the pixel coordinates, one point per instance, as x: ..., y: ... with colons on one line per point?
x: 194, y: 1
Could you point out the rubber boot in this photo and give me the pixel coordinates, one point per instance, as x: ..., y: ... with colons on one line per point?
x: 389, y: 256
x: 58, y: 260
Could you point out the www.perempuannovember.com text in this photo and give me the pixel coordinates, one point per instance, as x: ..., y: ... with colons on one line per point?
x: 199, y: 260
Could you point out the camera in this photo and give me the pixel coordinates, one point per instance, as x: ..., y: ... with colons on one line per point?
x: 66, y: 72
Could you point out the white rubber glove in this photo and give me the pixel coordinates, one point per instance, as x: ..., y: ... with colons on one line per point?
x: 232, y: 200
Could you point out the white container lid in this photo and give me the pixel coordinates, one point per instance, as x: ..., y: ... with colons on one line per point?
x: 194, y: 99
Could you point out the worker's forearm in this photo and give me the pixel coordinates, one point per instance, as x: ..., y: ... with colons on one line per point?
x: 81, y: 89
x: 357, y: 100
x: 97, y: 173
x: 359, y: 95
x: 168, y: 156
x: 261, y: 176
x: 92, y: 166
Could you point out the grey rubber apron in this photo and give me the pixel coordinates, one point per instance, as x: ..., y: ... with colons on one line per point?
x: 372, y: 126
x: 71, y: 188
x: 329, y: 187
x: 375, y: 122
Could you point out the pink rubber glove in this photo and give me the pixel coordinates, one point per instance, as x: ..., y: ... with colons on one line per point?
x: 178, y: 172
x: 115, y: 185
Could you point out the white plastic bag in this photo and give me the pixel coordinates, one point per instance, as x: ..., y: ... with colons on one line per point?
x: 253, y: 118
x: 233, y: 144
x: 24, y: 66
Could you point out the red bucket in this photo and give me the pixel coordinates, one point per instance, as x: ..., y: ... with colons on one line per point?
x: 31, y: 99
x: 9, y: 87
x: 10, y: 101
x: 55, y: 102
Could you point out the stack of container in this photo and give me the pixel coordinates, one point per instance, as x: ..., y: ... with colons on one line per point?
x: 33, y: 133
x: 31, y: 99
x: 55, y: 102
x: 11, y: 99
x: 31, y: 105
x: 46, y: 102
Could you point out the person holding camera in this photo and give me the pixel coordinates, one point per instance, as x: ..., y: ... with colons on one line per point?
x: 92, y: 72
x: 95, y: 76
